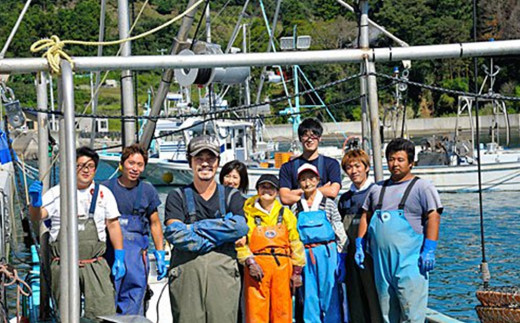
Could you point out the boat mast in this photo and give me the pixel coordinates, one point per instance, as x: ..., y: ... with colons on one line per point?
x: 98, y: 73
x: 167, y: 77
x: 371, y: 87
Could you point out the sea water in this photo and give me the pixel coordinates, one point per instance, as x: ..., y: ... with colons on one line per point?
x: 456, y: 276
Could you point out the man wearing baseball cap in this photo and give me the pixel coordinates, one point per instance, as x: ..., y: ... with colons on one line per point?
x: 203, y: 221
x: 273, y: 255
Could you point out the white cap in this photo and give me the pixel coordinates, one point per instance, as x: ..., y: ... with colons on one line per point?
x: 308, y: 167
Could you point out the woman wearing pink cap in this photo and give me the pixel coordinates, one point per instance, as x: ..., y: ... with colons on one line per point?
x: 322, y: 233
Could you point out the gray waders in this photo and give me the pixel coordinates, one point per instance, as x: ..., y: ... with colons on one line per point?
x: 94, y: 272
x: 205, y: 288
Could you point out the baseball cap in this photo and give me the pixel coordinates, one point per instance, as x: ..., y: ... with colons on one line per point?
x: 268, y: 178
x: 204, y: 142
x: 308, y: 167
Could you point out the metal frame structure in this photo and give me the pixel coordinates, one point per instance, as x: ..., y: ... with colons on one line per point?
x: 70, y: 300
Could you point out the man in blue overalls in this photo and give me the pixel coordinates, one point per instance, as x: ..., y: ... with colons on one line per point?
x: 401, y: 217
x: 204, y: 219
x: 309, y: 133
x: 137, y: 202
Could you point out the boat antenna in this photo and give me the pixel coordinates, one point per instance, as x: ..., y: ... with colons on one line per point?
x: 484, y: 269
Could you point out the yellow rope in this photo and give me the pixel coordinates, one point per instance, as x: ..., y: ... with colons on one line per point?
x: 55, y: 46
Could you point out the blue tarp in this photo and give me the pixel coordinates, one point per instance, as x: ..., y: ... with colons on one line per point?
x: 5, y: 155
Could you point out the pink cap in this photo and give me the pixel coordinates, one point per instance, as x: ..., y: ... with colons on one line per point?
x: 308, y: 167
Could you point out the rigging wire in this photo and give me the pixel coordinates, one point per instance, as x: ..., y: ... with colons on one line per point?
x: 484, y: 269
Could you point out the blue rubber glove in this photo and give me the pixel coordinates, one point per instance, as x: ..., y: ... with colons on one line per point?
x: 118, y: 268
x: 35, y: 192
x: 359, y: 257
x: 184, y: 238
x: 427, y: 257
x: 161, y: 265
x: 341, y: 270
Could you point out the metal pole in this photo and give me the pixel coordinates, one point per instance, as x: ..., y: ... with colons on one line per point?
x: 155, y: 62
x: 64, y: 220
x: 374, y: 122
x: 15, y: 28
x: 43, y: 167
x: 43, y: 124
x: 371, y: 87
x: 375, y: 25
x: 71, y: 186
x: 98, y: 73
x: 127, y: 83
x: 237, y: 26
x: 247, y: 90
x: 208, y: 24
x: 269, y: 46
x: 364, y: 44
x: 167, y: 76
x: 53, y: 117
x: 484, y: 268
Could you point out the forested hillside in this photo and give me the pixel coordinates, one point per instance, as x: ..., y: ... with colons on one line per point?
x: 418, y: 22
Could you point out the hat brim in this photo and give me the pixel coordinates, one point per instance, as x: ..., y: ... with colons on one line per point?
x: 195, y: 152
x: 308, y: 170
x: 267, y: 181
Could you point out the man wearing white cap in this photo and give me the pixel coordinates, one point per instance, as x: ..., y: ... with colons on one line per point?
x: 321, y: 231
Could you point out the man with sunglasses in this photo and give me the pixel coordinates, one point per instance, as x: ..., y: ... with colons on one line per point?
x: 203, y: 220
x: 97, y: 212
x: 309, y: 133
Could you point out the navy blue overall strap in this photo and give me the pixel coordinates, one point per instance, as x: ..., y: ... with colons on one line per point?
x: 137, y: 201
x: 323, y: 202
x: 321, y: 169
x: 279, y: 220
x: 382, y: 194
x: 190, y: 200
x: 299, y: 206
x: 405, y: 195
x: 222, y: 199
x: 94, y: 201
x: 407, y: 192
x: 280, y: 216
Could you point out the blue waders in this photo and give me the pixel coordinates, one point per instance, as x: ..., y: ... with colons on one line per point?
x: 321, y: 300
x: 395, y: 248
x: 204, y: 288
x: 131, y: 290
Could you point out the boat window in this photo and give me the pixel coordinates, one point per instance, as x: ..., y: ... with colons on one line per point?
x: 240, y: 138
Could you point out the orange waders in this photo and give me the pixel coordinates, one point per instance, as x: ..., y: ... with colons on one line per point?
x: 270, y: 300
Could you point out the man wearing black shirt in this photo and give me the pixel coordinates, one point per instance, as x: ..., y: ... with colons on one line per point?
x: 203, y: 221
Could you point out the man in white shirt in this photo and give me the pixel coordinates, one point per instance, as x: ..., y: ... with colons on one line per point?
x: 97, y: 211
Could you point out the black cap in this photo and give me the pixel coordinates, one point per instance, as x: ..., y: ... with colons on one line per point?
x: 203, y: 142
x: 268, y: 178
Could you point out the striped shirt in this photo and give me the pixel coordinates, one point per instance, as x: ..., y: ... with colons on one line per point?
x: 334, y: 218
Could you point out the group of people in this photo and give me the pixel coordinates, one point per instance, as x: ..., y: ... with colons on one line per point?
x: 288, y: 251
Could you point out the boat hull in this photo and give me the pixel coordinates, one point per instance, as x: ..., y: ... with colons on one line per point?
x: 496, y: 176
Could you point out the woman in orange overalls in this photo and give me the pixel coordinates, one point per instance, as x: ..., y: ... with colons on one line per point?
x: 273, y: 255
